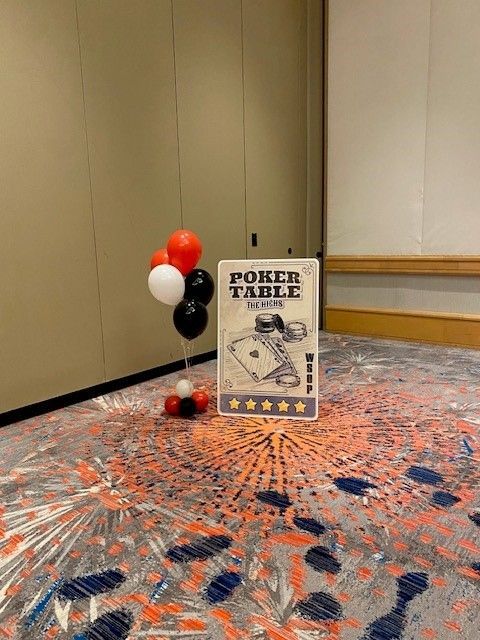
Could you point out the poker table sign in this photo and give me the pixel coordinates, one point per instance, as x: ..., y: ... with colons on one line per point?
x: 268, y: 338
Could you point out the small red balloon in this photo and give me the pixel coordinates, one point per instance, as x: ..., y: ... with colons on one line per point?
x: 184, y: 250
x: 159, y: 257
x: 172, y: 405
x: 201, y: 400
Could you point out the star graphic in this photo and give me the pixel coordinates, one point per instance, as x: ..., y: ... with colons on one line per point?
x: 283, y: 406
x: 299, y: 407
x: 234, y: 403
x: 266, y: 405
x: 250, y: 404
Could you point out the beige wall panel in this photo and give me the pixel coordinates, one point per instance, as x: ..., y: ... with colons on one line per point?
x: 275, y: 45
x: 315, y: 127
x: 451, y: 294
x: 208, y: 54
x: 50, y: 335
x: 360, y: 290
x: 377, y: 97
x: 452, y: 184
x: 127, y: 57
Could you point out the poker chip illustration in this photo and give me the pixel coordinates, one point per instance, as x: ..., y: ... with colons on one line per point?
x: 269, y: 322
x: 294, y: 331
x: 288, y: 380
x: 265, y: 323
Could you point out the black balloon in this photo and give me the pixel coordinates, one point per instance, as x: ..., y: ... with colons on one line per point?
x: 199, y: 285
x: 190, y: 318
x: 187, y: 407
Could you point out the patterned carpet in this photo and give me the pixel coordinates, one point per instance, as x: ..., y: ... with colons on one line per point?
x: 119, y: 522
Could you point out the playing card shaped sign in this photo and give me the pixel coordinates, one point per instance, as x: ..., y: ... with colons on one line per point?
x: 267, y: 341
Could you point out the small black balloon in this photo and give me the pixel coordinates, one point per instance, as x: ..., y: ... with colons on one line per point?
x: 199, y: 285
x: 187, y: 407
x: 190, y: 318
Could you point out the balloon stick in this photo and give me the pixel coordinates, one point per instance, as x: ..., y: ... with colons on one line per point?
x: 188, y: 346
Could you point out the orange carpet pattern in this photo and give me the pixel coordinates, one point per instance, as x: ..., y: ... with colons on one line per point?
x: 117, y: 521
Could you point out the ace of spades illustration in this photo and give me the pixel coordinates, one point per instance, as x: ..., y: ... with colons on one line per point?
x: 255, y: 357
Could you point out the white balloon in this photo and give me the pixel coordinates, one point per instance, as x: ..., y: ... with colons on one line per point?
x: 184, y: 388
x: 166, y: 284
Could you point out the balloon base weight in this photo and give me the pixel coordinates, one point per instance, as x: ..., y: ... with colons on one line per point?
x: 188, y: 402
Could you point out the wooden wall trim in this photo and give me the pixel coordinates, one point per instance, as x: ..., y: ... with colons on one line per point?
x: 423, y: 326
x: 434, y: 265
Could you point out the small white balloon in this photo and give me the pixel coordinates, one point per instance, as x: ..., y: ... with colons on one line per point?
x: 184, y: 388
x: 166, y: 284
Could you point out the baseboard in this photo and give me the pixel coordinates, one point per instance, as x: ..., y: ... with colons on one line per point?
x: 424, y: 326
x: 46, y: 406
x: 461, y: 265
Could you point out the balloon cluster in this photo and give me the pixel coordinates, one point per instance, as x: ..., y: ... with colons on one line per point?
x: 187, y: 402
x: 174, y: 280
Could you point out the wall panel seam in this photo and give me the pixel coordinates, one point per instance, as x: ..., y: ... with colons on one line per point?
x: 308, y: 136
x: 426, y: 123
x: 325, y: 76
x: 176, y: 113
x: 302, y: 140
x: 243, y: 130
x: 91, y: 189
x: 299, y: 27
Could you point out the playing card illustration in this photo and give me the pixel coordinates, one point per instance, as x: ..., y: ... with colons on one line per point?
x: 255, y: 357
x: 288, y: 366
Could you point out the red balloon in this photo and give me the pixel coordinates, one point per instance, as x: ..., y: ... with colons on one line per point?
x: 184, y: 250
x: 201, y: 400
x: 159, y: 257
x: 172, y: 405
